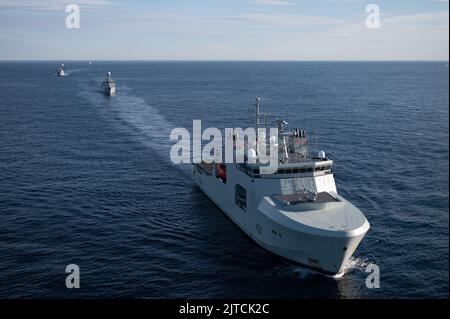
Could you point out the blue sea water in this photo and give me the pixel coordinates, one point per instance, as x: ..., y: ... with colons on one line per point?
x: 87, y: 179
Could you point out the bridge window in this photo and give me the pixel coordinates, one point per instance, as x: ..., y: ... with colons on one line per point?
x: 323, y: 168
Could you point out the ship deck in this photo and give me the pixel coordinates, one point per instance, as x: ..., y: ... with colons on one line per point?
x: 292, y: 199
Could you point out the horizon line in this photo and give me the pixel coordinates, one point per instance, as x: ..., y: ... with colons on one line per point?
x: 219, y: 60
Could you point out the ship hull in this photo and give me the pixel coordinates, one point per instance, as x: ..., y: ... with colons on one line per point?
x: 322, y: 250
x: 325, y: 253
x: 110, y: 91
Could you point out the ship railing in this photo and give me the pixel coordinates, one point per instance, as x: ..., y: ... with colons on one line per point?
x: 203, y: 167
x: 254, y: 172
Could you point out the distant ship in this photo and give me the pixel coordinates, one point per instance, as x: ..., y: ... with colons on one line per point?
x: 109, y: 85
x: 60, y: 71
x: 294, y: 212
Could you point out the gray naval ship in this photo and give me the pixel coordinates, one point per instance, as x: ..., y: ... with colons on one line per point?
x: 109, y: 85
x: 294, y: 212
x: 60, y: 71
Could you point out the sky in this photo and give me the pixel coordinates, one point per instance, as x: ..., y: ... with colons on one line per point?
x: 224, y: 30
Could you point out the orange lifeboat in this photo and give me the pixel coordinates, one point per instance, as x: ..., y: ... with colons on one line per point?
x: 221, y: 172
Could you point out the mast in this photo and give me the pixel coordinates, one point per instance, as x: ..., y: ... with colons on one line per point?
x: 258, y: 102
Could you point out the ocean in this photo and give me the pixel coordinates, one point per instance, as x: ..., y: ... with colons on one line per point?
x: 86, y: 179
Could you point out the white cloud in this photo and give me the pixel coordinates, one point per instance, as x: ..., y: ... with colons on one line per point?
x: 48, y: 5
x: 229, y: 25
x: 422, y: 36
x: 272, y: 2
x: 148, y: 34
x: 430, y: 19
x: 283, y: 20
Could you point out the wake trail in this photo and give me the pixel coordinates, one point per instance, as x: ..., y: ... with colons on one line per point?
x: 141, y: 119
x: 73, y: 71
